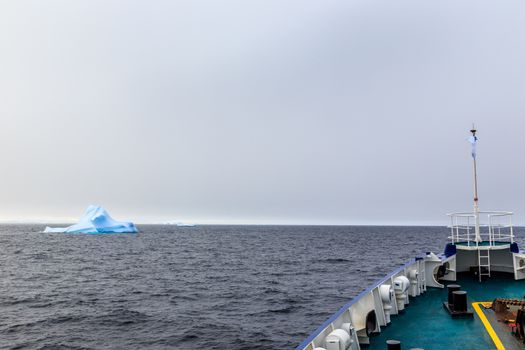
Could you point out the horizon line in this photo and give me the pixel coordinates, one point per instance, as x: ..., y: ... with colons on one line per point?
x: 235, y: 223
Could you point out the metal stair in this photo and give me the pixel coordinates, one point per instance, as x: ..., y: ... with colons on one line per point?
x: 483, y: 262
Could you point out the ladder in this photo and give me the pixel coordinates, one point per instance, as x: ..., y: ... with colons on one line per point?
x: 483, y: 261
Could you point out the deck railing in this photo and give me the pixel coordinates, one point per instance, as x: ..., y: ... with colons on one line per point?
x: 495, y: 226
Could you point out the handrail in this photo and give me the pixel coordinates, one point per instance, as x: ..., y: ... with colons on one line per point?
x: 493, y: 226
x: 469, y: 213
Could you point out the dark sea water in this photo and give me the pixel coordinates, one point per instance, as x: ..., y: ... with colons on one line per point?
x: 207, y: 287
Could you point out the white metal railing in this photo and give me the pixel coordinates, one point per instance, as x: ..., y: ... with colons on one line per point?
x: 494, y: 226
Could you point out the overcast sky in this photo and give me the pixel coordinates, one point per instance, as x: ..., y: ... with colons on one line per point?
x: 323, y: 112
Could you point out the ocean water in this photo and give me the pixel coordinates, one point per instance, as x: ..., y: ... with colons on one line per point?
x: 205, y: 287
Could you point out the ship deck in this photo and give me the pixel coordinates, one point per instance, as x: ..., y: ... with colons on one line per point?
x: 426, y: 324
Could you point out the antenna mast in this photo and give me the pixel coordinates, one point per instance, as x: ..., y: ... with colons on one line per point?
x: 473, y: 141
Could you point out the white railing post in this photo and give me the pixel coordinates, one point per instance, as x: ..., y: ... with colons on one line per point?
x: 468, y: 231
x: 490, y: 229
x: 452, y: 228
x: 476, y: 223
x: 457, y: 230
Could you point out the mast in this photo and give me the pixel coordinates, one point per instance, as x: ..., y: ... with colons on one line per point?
x: 473, y: 141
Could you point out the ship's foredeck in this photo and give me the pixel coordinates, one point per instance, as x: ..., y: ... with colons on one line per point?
x: 426, y: 324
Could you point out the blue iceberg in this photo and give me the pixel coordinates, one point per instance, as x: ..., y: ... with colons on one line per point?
x: 96, y: 220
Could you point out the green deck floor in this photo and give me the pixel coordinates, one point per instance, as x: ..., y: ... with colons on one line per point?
x: 426, y: 324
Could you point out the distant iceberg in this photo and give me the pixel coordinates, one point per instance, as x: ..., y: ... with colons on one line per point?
x: 96, y: 220
x: 182, y: 224
x: 178, y: 223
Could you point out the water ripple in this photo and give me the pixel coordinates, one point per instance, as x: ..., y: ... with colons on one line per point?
x: 209, y: 287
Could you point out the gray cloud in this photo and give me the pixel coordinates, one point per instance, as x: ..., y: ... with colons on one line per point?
x: 260, y: 111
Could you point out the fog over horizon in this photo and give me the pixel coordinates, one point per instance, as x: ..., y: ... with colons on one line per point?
x: 270, y: 112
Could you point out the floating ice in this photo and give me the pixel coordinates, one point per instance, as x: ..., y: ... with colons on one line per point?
x: 182, y: 224
x: 96, y: 220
